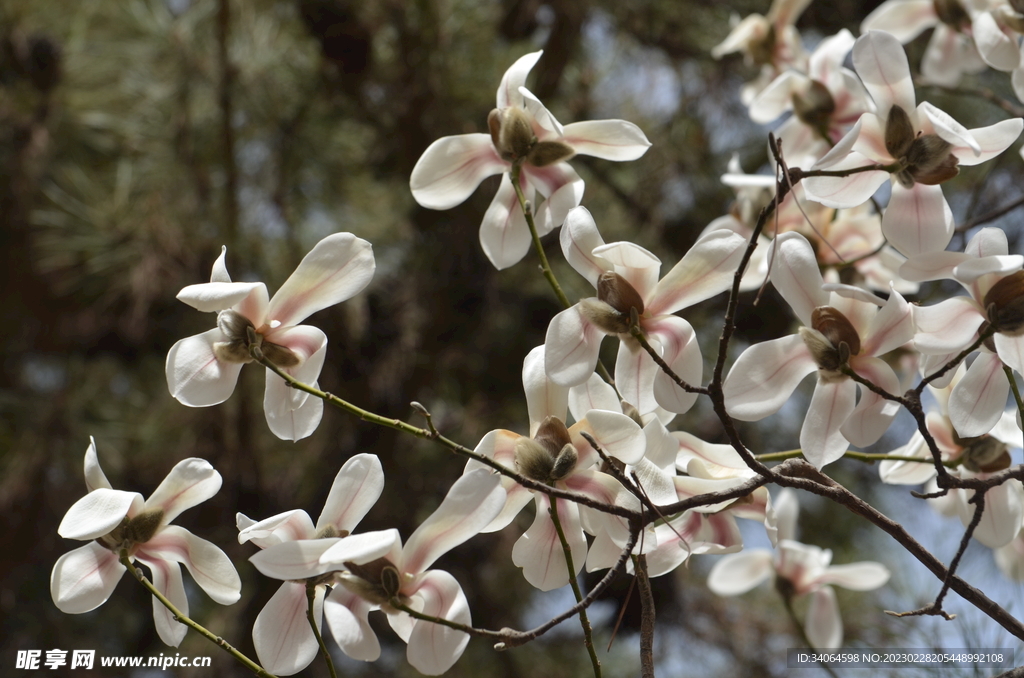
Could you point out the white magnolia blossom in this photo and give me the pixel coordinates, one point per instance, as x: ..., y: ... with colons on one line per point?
x: 282, y: 636
x: 798, y: 570
x: 202, y: 370
x: 522, y: 131
x: 921, y: 145
x: 114, y: 520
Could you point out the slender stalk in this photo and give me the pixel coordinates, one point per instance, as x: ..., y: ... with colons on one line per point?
x: 867, y: 458
x: 646, y: 617
x: 183, y: 618
x: 588, y: 636
x: 311, y: 617
x: 1016, y: 391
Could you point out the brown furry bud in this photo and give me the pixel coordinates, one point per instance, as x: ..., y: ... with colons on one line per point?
x: 814, y: 106
x: 984, y: 454
x: 511, y: 132
x: 546, y: 153
x: 142, y: 527
x: 1004, y: 303
x: 616, y: 291
x: 533, y: 459
x: 603, y: 316
x: 899, y: 132
x: 836, y: 328
x: 565, y: 462
x: 952, y: 13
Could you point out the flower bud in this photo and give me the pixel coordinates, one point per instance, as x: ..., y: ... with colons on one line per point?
x: 952, y: 13
x: 836, y: 328
x: 985, y: 454
x: 546, y: 153
x: 533, y: 460
x: 616, y: 291
x: 762, y: 50
x: 565, y: 462
x: 377, y: 581
x: 279, y: 355
x: 603, y: 316
x: 814, y: 106
x: 142, y: 527
x: 926, y: 158
x: 1004, y: 303
x: 511, y: 132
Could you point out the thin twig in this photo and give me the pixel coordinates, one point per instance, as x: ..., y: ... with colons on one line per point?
x: 646, y: 617
x: 311, y: 617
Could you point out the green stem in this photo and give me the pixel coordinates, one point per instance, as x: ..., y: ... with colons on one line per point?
x: 588, y: 636
x: 183, y: 618
x: 1016, y: 391
x: 866, y: 457
x: 310, y: 615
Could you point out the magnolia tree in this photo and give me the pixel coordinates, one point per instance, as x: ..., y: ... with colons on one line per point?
x: 616, y: 487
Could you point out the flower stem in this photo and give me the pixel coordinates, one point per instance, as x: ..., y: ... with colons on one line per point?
x: 311, y: 616
x: 588, y: 637
x: 866, y: 457
x: 1016, y: 391
x: 183, y: 618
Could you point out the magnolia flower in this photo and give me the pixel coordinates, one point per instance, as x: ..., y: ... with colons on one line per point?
x: 113, y: 520
x: 921, y: 148
x: 522, y: 132
x: 284, y: 641
x: 202, y: 369
x: 826, y: 102
x: 995, y: 281
x: 798, y: 570
x: 843, y: 327
x: 401, y: 573
x: 626, y: 277
x: 1004, y: 504
x: 561, y: 456
x: 951, y: 50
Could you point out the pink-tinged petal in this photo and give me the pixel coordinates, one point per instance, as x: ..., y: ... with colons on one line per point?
x: 195, y: 377
x: 998, y: 49
x: 563, y: 189
x: 605, y: 489
x: 753, y: 27
x: 662, y: 446
x: 285, y: 422
x: 284, y: 642
x: 618, y: 435
x: 287, y: 526
x: 1011, y: 350
x: 191, y: 482
x: 693, y: 486
x: 571, y: 347
x: 544, y: 398
x: 578, y: 238
x: 681, y: 352
x: 863, y: 576
x: 547, y: 127
x: 740, y: 572
x: 873, y: 413
x: 830, y: 54
x: 451, y: 168
x: 917, y: 220
x: 291, y: 413
x: 604, y: 552
x: 1004, y: 511
x: 208, y: 565
x: 504, y: 235
x: 94, y: 476
x: 692, y: 447
x: 977, y: 401
x: 635, y: 374
x: 356, y: 489
x: 949, y: 55
x: 909, y: 472
x: 891, y: 327
x: 992, y: 140
x: 166, y: 578
x: 539, y: 551
x: 517, y: 497
x: 796, y: 275
x: 848, y: 191
x: 655, y: 482
x: 701, y: 533
x: 704, y: 271
x: 607, y: 139
x: 787, y: 509
x: 472, y: 502
x: 988, y: 242
x: 843, y: 147
x: 337, y: 268
x: 498, y: 445
x: 947, y: 128
x: 301, y: 559
x: 882, y: 65
x: 638, y: 266
x: 98, y: 512
x: 821, y: 439
x: 594, y: 394
x: 434, y: 648
x: 514, y: 78
x: 932, y: 266
x: 824, y: 626
x: 947, y: 327
x: 219, y: 273
x: 777, y: 98
x: 346, y: 615
x: 765, y: 375
x: 905, y: 19
x: 216, y: 296
x: 83, y: 579
x: 357, y: 548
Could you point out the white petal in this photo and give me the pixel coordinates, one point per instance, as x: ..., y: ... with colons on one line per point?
x: 777, y: 98
x: 1001, y: 521
x: 864, y: 576
x: 98, y: 512
x: 608, y: 139
x: 539, y: 551
x: 970, y: 270
x: 208, y: 565
x: 988, y: 242
x: 905, y: 19
x: 287, y: 423
x: 824, y: 626
x: 191, y: 482
x: 738, y: 573
x: 681, y: 351
x: 219, y: 273
x: 571, y: 347
x: 796, y: 275
x: 891, y: 327
x: 346, y: 615
x: 882, y: 64
x: 166, y: 578
x: 284, y: 642
x: 635, y: 374
x: 977, y: 401
x: 355, y: 490
x: 765, y: 375
x: 949, y: 129
x: 992, y: 140
x: 947, y: 327
x: 848, y: 191
x: 83, y: 579
x: 563, y: 189
x: 873, y: 413
x: 287, y: 526
x: 704, y: 271
x: 544, y: 397
x: 917, y: 220
x: 1010, y: 349
x: 514, y: 78
x: 451, y: 168
x: 787, y: 510
x: 504, y: 235
x: 594, y: 394
x: 434, y: 648
x: 821, y: 440
x: 998, y: 49
x: 216, y: 296
x: 932, y: 266
x: 194, y: 374
x: 360, y: 549
x: 618, y: 435
x: 471, y: 503
x: 94, y: 476
x: 302, y: 559
x: 578, y: 238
